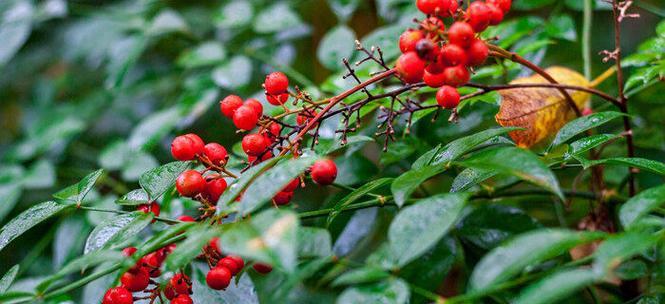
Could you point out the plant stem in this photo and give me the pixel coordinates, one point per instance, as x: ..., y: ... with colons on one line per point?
x: 586, y: 38
x: 161, y: 219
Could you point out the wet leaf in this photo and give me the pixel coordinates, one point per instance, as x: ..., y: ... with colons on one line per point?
x: 8, y: 279
x: 28, y: 219
x: 356, y: 195
x: 314, y: 242
x: 640, y: 205
x: 582, y: 124
x: 557, y: 286
x: 157, y: 181
x: 116, y: 229
x: 391, y: 291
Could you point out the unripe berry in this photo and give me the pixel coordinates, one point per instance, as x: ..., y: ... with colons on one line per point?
x: 276, y: 83
x: 282, y: 198
x: 496, y: 14
x: 410, y: 67
x: 256, y: 105
x: 279, y: 99
x: 262, y: 268
x: 478, y: 52
x: 118, y: 295
x: 214, y: 189
x: 218, y: 278
x: 408, y: 40
x: 216, y: 153
x: 136, y: 280
x: 479, y: 16
x: 190, y: 183
x: 182, y: 299
x: 150, y: 208
x: 254, y: 144
x: 461, y: 33
x: 456, y: 76
x: 324, y: 172
x: 246, y: 117
x: 239, y: 261
x: 181, y: 283
x: 292, y: 186
x: 504, y: 5
x: 229, y: 105
x: 452, y: 55
x: 229, y: 264
x: 434, y: 80
x: 447, y: 97
x: 186, y: 218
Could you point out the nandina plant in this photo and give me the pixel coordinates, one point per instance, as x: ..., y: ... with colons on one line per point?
x: 290, y: 212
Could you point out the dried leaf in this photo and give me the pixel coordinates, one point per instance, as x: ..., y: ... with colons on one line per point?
x: 540, y: 111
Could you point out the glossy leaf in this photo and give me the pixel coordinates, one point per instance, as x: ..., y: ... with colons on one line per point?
x: 557, y: 286
x: 28, y: 219
x: 356, y: 195
x: 618, y: 248
x: 361, y: 276
x: 527, y: 249
x: 314, y: 242
x: 241, y: 183
x: 404, y: 185
x: 77, y: 192
x: 519, y: 163
x: 157, y: 181
x: 587, y: 143
x: 582, y: 124
x: 391, y: 291
x: 115, y: 229
x: 419, y: 227
x: 640, y: 163
x: 10, y: 193
x: 471, y: 177
x: 8, y: 278
x: 336, y: 44
x: 640, y: 205
x: 80, y: 264
x: 240, y: 291
x: 185, y: 252
x: 487, y: 226
x: 134, y: 198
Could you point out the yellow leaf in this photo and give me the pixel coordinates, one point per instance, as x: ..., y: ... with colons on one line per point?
x: 540, y: 111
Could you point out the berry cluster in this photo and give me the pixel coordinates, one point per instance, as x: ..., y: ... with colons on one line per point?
x: 444, y: 58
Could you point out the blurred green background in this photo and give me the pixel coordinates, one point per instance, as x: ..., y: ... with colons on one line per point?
x: 90, y: 84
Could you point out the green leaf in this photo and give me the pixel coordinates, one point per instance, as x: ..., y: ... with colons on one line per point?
x: 557, y: 286
x: 362, y: 275
x: 28, y: 219
x: 356, y: 195
x: 582, y: 124
x: 417, y: 228
x: 10, y: 193
x: 77, y: 192
x: 343, y: 8
x: 562, y: 27
x: 640, y: 205
x: 134, y: 198
x: 207, y: 53
x: 185, y: 252
x: 276, y: 18
x: 235, y: 73
x: 41, y: 175
x: 157, y: 181
x: 314, y: 242
x: 81, y: 264
x: 167, y: 21
x: 530, y: 4
x: 404, y: 185
x: 632, y: 270
x: 471, y: 177
x: 8, y: 279
x: 235, y: 14
x: 269, y: 237
x: 116, y: 229
x: 391, y: 291
x: 153, y: 128
x: 336, y: 44
x: 268, y: 184
x: 15, y: 27
x: 641, y: 163
x: 587, y: 143
x: 457, y: 148
x: 241, y: 183
x: 519, y: 163
x: 326, y: 147
x: 487, y: 226
x: 240, y: 291
x: 618, y: 248
x: 531, y: 248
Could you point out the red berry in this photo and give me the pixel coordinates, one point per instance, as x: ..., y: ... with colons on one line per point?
x: 182, y: 299
x: 324, y: 172
x: 479, y: 16
x: 410, y: 67
x: 443, y: 8
x: 152, y: 207
x: 214, y: 189
x: 279, y: 99
x: 254, y: 144
x: 251, y: 158
x: 229, y: 105
x: 276, y: 83
x: 219, y: 278
x: 214, y: 244
x: 135, y: 280
x: 239, y: 261
x: 129, y: 251
x: 292, y: 186
x: 427, y: 49
x: 434, y: 80
x: 433, y: 26
x: 456, y: 76
x: 169, y: 292
x: 461, y: 33
x: 216, y: 153
x: 262, y: 268
x: 435, y: 67
x: 229, y: 264
x: 504, y: 5
x: 182, y: 148
x: 282, y: 198
x: 190, y: 183
x: 447, y: 97
x: 118, y: 295
x: 246, y: 117
x: 587, y: 111
x: 408, y: 40
x: 478, y: 52
x: 258, y: 107
x: 273, y: 130
x: 496, y: 14
x: 181, y: 283
x: 452, y: 55
x: 186, y: 218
